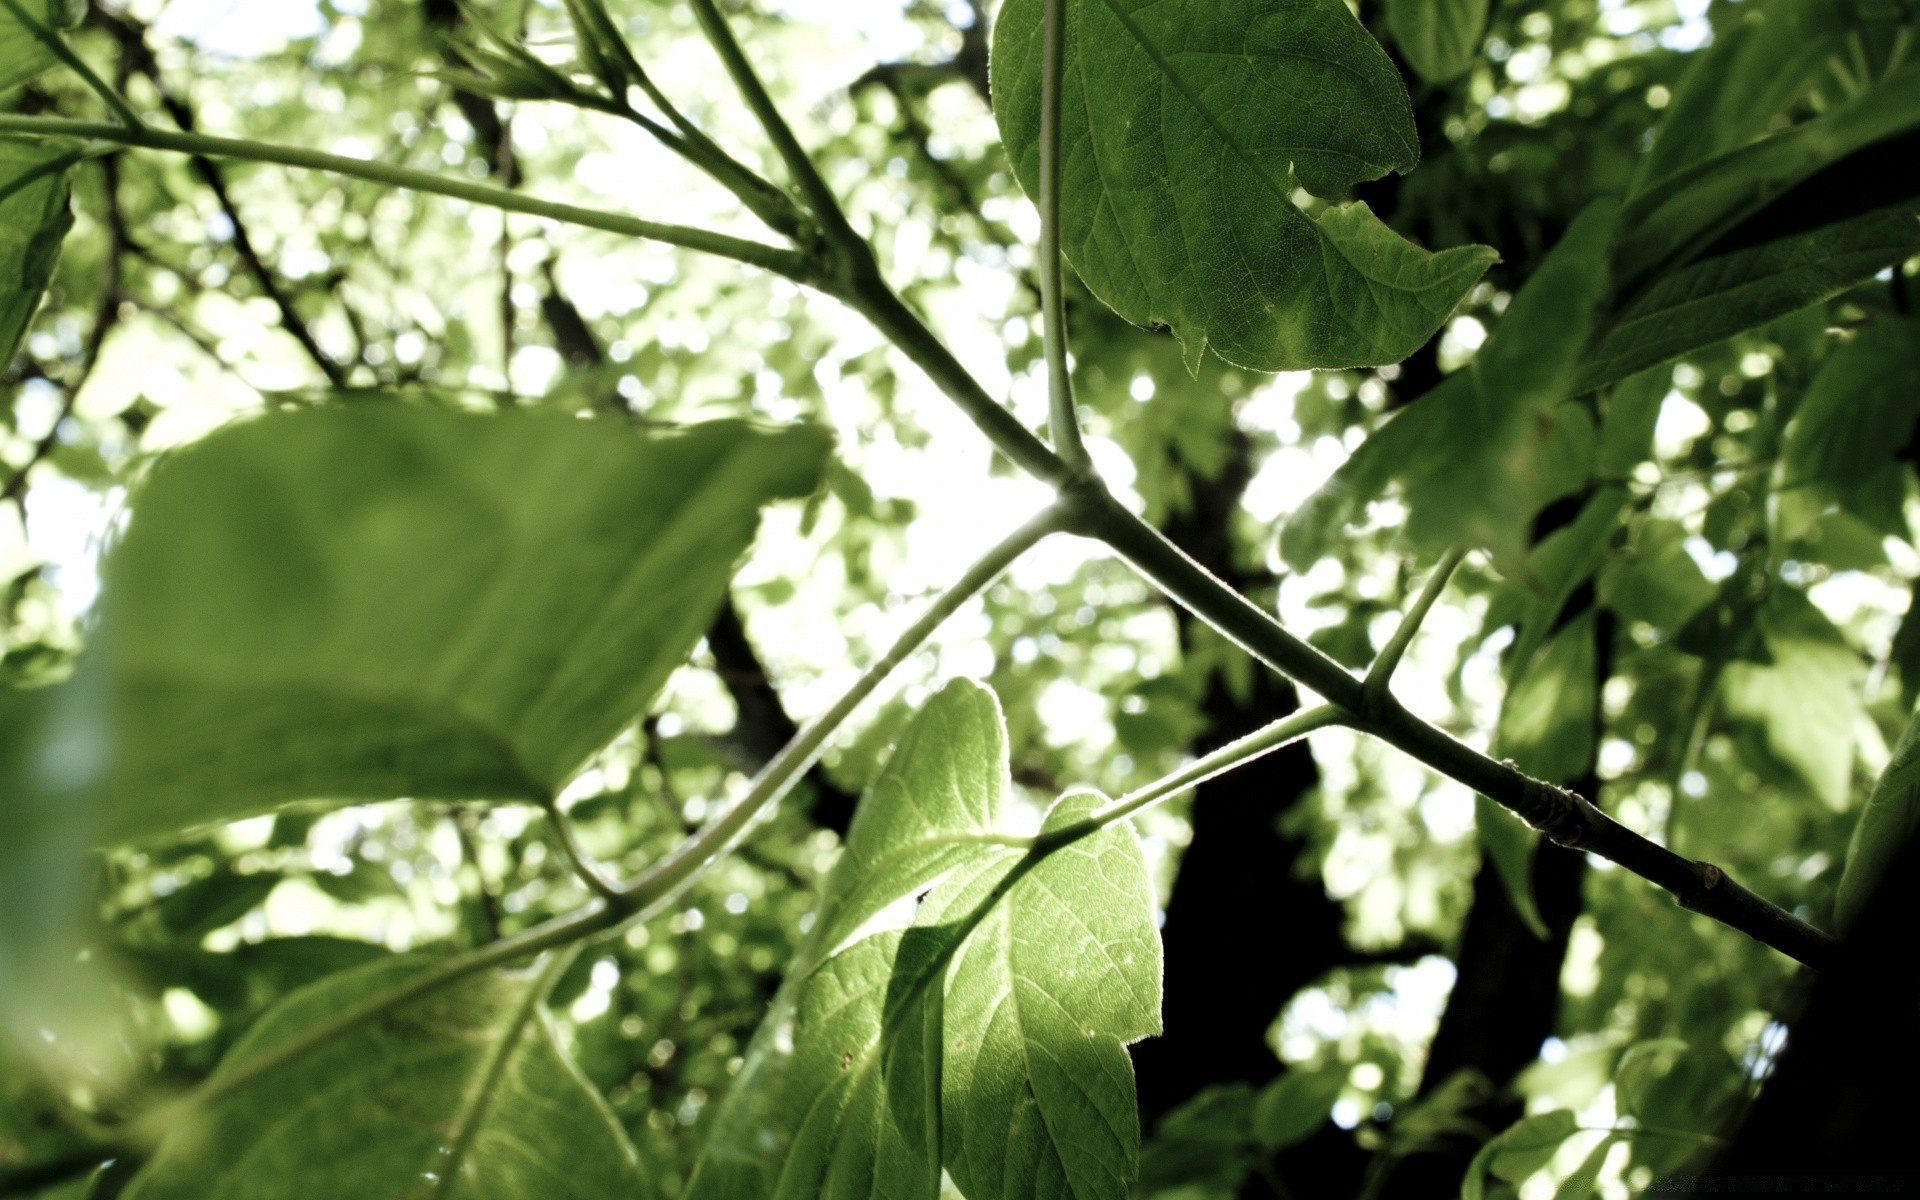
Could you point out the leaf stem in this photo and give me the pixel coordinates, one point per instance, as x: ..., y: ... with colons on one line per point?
x: 756, y: 254
x: 693, y: 855
x: 1239, y: 752
x: 561, y: 931
x: 583, y: 867
x: 1380, y: 676
x: 773, y: 206
x: 1062, y: 418
x: 806, y: 177
x: 58, y: 47
x: 1564, y: 817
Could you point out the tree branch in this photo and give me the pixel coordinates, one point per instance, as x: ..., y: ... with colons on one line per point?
x: 787, y: 263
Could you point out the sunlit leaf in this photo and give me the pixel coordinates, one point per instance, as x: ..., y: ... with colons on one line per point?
x: 969, y: 1009
x: 22, y: 54
x: 1519, y: 1151
x: 463, y: 1092
x: 1179, y: 202
x: 388, y: 601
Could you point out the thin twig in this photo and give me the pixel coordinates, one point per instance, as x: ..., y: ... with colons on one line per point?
x: 1062, y: 420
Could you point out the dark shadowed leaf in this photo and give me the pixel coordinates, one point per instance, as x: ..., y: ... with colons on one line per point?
x: 1888, y: 822
x: 1439, y: 38
x: 1472, y: 456
x: 1179, y: 202
x: 1736, y: 241
x: 1770, y: 58
x: 1291, y: 1108
x: 34, y: 219
x: 1546, y: 724
x: 383, y: 601
x: 1807, y: 699
x: 463, y: 1093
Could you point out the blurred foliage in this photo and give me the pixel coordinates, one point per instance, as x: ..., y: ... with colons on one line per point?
x: 1728, y: 501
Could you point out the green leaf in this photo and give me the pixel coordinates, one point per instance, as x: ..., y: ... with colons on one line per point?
x: 1772, y: 57
x: 1557, y: 566
x: 965, y: 1002
x: 1525, y: 1147
x: 1887, y: 823
x: 34, y: 220
x: 1472, y: 456
x: 23, y: 55
x: 1641, y: 1066
x: 1439, y: 38
x: 1857, y: 413
x: 1807, y: 700
x: 1508, y: 843
x: 1038, y: 1089
x: 204, y: 905
x: 1547, y: 722
x: 464, y: 1092
x: 1655, y: 580
x: 1746, y: 284
x: 1730, y: 244
x: 1203, y: 1148
x: 53, y: 757
x: 1291, y: 1108
x: 1626, y: 432
x: 392, y: 601
x: 1584, y: 1183
x: 1682, y: 216
x: 1178, y: 203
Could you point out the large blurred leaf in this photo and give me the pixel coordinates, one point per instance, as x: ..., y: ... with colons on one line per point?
x: 1185, y: 130
x: 1439, y: 38
x: 385, y: 601
x: 1888, y: 822
x: 34, y: 219
x: 53, y: 759
x: 1471, y: 456
x: 23, y: 55
x: 976, y: 1003
x: 462, y: 1093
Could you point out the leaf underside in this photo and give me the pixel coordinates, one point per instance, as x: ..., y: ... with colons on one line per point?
x: 385, y: 600
x: 465, y: 1093
x: 965, y: 1004
x: 1178, y: 194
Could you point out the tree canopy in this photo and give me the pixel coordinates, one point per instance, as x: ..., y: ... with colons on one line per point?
x: 1075, y: 599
